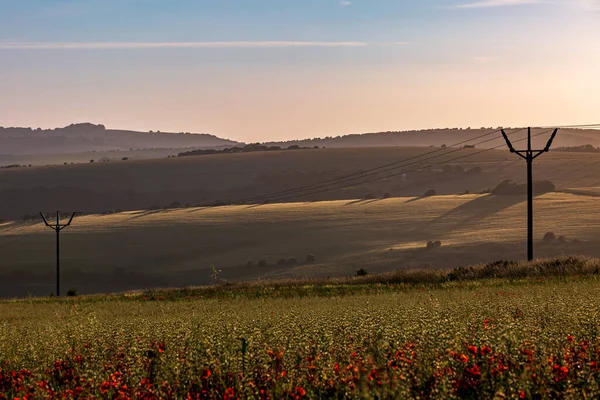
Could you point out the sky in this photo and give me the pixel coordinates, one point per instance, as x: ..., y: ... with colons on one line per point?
x: 262, y: 70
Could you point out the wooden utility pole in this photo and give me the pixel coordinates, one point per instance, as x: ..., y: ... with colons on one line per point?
x: 57, y: 227
x: 529, y: 155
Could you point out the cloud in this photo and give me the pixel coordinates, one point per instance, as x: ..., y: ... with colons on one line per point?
x: 345, y: 3
x: 176, y: 45
x: 498, y: 3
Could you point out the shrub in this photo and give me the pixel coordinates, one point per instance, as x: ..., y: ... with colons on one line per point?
x: 281, y: 262
x: 432, y: 245
x: 175, y: 204
x: 292, y: 261
x: 262, y: 263
x: 362, y: 272
x: 508, y: 187
x: 467, y: 191
x: 562, y: 239
x: 91, y: 161
x: 72, y: 293
x: 310, y: 259
x: 549, y: 237
x: 429, y: 193
x: 386, y: 195
x: 544, y: 187
x: 214, y: 274
x: 511, y: 188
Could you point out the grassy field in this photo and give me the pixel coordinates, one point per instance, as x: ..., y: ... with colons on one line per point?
x: 525, y: 339
x: 143, y: 249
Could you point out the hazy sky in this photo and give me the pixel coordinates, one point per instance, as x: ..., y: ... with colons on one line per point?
x: 257, y: 70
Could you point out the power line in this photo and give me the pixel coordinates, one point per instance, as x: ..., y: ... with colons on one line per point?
x: 572, y: 126
x: 405, y: 171
x: 325, y: 182
x: 377, y: 170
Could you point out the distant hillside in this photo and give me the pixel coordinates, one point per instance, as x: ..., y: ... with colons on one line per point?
x: 78, y: 138
x: 435, y: 137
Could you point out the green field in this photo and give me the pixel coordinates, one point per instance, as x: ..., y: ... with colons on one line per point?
x: 479, y: 339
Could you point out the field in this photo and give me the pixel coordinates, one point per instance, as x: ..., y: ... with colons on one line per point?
x: 480, y: 339
x: 172, y: 248
x: 202, y: 180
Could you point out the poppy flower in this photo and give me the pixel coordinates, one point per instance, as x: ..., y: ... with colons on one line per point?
x: 229, y: 394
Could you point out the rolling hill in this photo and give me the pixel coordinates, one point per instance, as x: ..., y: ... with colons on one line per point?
x: 86, y: 137
x: 433, y: 137
x: 225, y: 178
x: 163, y: 248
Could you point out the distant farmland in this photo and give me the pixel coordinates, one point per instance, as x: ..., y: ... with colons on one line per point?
x: 177, y: 247
x: 202, y: 180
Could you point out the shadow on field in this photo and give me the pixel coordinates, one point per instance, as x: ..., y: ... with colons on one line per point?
x: 353, y: 202
x: 482, y: 207
x: 471, y: 212
x: 40, y: 282
x: 415, y: 199
x: 143, y: 214
x: 196, y: 209
x: 362, y: 202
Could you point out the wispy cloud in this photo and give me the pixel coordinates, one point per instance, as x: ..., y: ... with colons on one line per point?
x: 498, y: 3
x: 345, y: 3
x: 181, y: 45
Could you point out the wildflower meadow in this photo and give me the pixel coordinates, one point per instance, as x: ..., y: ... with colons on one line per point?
x: 494, y: 340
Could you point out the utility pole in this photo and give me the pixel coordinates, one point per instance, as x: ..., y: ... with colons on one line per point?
x: 529, y: 155
x: 57, y: 227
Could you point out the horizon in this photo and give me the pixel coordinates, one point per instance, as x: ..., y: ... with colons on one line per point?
x: 276, y: 72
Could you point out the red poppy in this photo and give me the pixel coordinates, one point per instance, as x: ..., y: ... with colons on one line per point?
x: 474, y: 372
x: 229, y: 394
x: 473, y: 350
